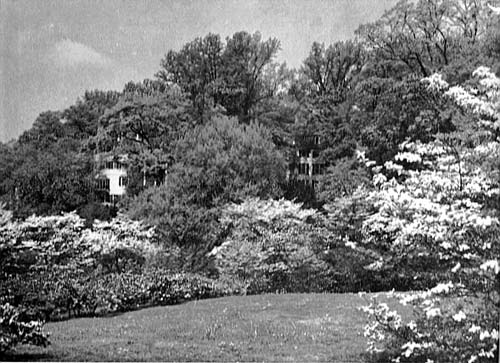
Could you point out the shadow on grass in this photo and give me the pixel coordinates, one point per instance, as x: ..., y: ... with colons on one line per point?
x: 25, y: 357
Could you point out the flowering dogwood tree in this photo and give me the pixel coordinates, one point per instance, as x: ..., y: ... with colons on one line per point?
x: 272, y: 245
x: 439, y: 208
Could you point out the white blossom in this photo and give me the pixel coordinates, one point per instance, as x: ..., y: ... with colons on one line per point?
x: 430, y: 313
x: 459, y: 316
x: 442, y: 288
x: 484, y: 334
x: 409, y: 157
x: 474, y: 329
x: 446, y: 245
x: 491, y: 265
x: 494, y: 334
x: 435, y: 82
x: 410, y: 347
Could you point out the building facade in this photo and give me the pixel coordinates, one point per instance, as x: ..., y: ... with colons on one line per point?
x: 111, y: 178
x: 306, y: 166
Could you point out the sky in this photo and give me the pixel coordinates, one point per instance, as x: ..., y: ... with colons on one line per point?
x: 51, y: 51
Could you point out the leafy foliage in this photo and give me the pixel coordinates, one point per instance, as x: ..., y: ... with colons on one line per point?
x: 271, y: 247
x: 231, y: 74
x: 333, y: 70
x: 437, y: 212
x: 143, y: 126
x: 341, y: 180
x: 51, y: 180
x: 82, y: 118
x: 429, y: 215
x: 56, y: 267
x: 17, y: 328
x: 426, y: 35
x: 216, y: 163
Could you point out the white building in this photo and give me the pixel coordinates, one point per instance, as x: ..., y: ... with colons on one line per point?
x: 111, y: 179
x: 305, y: 168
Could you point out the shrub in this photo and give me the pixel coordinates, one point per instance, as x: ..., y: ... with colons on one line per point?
x: 271, y: 247
x: 215, y: 163
x: 52, y: 264
x: 57, y: 268
x: 41, y: 243
x: 93, y: 210
x: 17, y: 327
x: 128, y: 291
x: 121, y: 244
x: 60, y: 294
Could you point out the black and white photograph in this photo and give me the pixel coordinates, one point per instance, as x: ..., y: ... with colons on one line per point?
x: 250, y: 181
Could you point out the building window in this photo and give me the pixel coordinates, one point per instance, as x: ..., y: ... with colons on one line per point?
x: 304, y: 169
x: 123, y: 181
x: 103, y: 184
x: 113, y: 165
x: 318, y: 169
x: 106, y: 198
x: 304, y: 153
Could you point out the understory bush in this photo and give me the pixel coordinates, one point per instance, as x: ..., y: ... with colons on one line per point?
x: 18, y: 327
x: 277, y: 245
x: 60, y: 295
x: 271, y: 247
x: 356, y: 266
x: 56, y: 267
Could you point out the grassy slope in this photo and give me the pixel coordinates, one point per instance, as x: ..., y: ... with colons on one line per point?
x: 298, y: 327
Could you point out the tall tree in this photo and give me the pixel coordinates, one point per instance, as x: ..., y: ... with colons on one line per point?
x: 143, y: 125
x: 46, y: 130
x: 7, y: 166
x: 230, y: 74
x: 81, y: 119
x: 216, y: 163
x: 426, y: 35
x: 245, y: 59
x: 50, y: 180
x: 196, y: 68
x: 332, y: 70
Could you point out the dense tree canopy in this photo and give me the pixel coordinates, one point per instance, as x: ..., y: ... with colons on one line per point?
x: 363, y: 94
x: 82, y: 118
x: 51, y: 180
x: 230, y: 74
x: 219, y: 162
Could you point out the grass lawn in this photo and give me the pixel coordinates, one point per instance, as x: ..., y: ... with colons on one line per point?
x: 290, y: 327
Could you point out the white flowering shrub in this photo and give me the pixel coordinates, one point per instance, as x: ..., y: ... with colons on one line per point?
x: 439, y: 211
x: 18, y: 328
x: 271, y: 246
x: 39, y: 243
x: 121, y: 243
x: 57, y: 268
x: 48, y: 262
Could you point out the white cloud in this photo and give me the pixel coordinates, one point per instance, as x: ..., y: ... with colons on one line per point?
x: 68, y: 53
